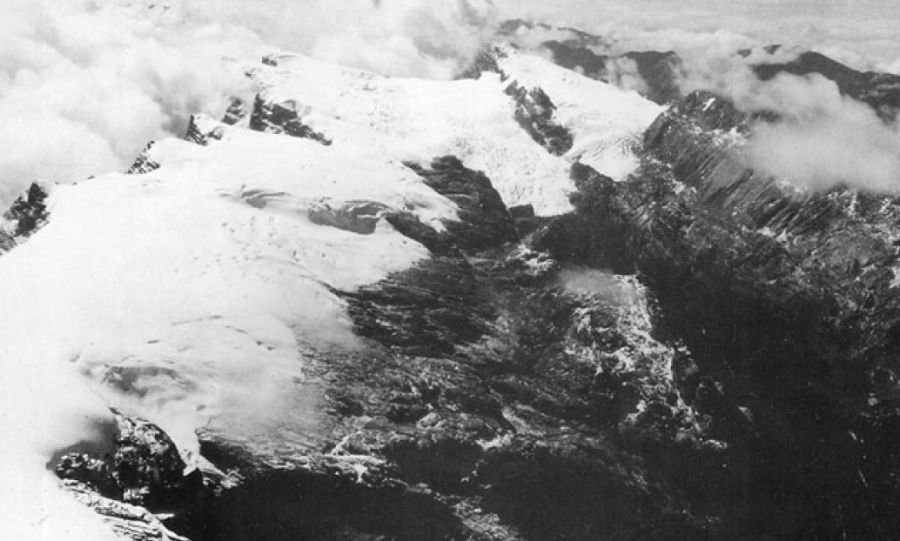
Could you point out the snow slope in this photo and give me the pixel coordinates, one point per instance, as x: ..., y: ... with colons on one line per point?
x: 196, y: 288
x: 417, y: 120
x: 605, y: 121
x: 472, y: 119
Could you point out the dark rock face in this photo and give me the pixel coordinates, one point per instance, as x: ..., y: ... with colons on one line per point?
x: 196, y: 134
x: 494, y: 387
x: 28, y: 211
x: 534, y: 112
x: 146, y: 465
x: 27, y: 214
x: 426, y: 310
x: 484, y: 221
x: 439, y: 303
x: 91, y: 471
x: 146, y: 468
x: 881, y: 91
x: 784, y: 300
x: 282, y: 118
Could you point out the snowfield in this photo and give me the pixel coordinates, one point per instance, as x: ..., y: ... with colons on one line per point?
x: 606, y: 121
x: 190, y: 295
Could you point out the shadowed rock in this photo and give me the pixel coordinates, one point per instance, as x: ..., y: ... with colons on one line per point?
x: 788, y: 305
x: 283, y: 118
x: 355, y: 216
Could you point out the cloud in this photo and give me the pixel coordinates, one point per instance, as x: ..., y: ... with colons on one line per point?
x: 823, y: 139
x: 84, y: 84
x: 391, y: 37
x: 623, y: 72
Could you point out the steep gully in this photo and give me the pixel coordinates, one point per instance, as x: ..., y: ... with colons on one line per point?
x: 742, y: 386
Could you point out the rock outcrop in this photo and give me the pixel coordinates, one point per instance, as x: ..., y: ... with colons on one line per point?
x: 130, y: 522
x: 533, y: 107
x: 283, y: 117
x: 141, y: 485
x: 27, y: 214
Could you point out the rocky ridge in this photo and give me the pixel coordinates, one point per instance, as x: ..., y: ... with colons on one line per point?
x: 786, y: 300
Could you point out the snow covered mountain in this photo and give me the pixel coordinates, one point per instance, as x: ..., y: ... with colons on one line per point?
x: 524, y: 304
x: 194, y: 291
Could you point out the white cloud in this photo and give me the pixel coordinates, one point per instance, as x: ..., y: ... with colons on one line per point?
x: 83, y: 87
x: 824, y: 139
x: 84, y: 84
